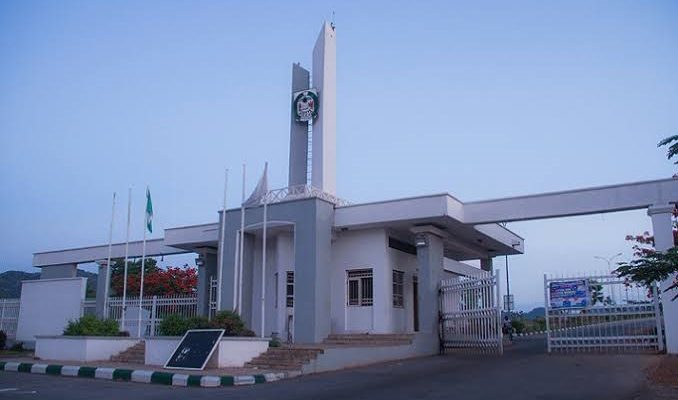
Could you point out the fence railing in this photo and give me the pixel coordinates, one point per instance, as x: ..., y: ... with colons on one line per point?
x: 9, y: 316
x: 470, y: 317
x: 89, y: 307
x: 153, y: 310
x: 601, y: 313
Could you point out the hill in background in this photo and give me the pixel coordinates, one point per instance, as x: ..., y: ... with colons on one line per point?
x: 10, y: 282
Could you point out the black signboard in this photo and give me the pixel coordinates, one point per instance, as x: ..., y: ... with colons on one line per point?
x: 195, y: 349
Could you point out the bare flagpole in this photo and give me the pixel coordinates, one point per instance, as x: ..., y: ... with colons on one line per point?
x: 143, y: 264
x: 242, y: 239
x: 263, y: 255
x: 108, y: 260
x: 222, y: 241
x: 124, y: 282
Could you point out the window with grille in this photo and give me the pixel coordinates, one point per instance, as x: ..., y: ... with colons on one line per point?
x: 398, y: 289
x: 289, y: 291
x: 359, y: 286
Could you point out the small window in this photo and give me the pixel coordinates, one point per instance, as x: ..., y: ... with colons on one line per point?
x: 359, y: 287
x: 289, y: 292
x: 398, y: 289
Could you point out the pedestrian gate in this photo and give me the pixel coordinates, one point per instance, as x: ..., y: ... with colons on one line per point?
x: 601, y: 313
x: 470, y: 313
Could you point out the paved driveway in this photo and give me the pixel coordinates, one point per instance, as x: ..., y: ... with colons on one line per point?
x: 524, y: 372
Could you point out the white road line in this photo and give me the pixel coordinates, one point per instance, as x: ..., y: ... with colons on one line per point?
x: 8, y: 389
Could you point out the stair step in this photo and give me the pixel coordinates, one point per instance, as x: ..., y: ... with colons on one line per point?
x: 134, y: 355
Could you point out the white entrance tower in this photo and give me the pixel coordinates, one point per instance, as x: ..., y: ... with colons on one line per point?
x: 319, y: 102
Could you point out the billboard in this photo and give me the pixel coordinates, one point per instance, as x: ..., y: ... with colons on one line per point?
x: 569, y: 294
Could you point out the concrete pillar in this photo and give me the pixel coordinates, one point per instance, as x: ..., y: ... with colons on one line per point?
x: 207, y: 268
x: 313, y: 261
x: 102, y: 278
x: 59, y: 271
x: 662, y: 229
x: 430, y: 261
x: 486, y: 264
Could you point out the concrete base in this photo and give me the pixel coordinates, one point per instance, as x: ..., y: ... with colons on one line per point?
x: 336, y: 358
x: 232, y: 351
x: 81, y: 348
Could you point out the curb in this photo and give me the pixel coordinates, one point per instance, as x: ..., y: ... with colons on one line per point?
x: 141, y: 376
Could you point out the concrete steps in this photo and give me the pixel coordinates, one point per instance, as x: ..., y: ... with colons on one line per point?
x: 284, y: 358
x: 134, y: 355
x: 369, y: 339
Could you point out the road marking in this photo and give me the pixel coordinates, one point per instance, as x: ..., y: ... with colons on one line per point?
x: 8, y: 389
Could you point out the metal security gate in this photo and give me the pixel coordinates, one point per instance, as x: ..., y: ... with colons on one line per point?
x: 470, y: 314
x: 601, y: 313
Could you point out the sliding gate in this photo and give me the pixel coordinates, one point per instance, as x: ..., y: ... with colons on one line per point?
x: 470, y: 313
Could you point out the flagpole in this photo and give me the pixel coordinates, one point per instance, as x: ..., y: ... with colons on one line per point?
x: 263, y: 256
x: 242, y: 239
x: 143, y: 264
x: 222, y: 241
x: 108, y: 260
x: 124, y: 283
x: 235, y: 272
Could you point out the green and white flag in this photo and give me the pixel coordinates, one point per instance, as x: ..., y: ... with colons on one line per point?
x: 149, y: 211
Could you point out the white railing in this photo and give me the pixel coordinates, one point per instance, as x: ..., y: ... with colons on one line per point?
x: 154, y: 308
x: 301, y: 192
x: 601, y: 313
x: 9, y: 316
x: 470, y: 314
x: 89, y: 307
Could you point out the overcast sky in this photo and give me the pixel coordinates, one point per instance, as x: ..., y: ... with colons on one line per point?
x: 479, y: 99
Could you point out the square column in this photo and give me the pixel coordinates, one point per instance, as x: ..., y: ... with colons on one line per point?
x: 486, y: 264
x: 430, y: 260
x: 312, y: 272
x: 103, y: 278
x: 662, y: 229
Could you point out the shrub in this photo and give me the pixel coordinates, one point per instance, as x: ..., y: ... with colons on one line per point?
x: 230, y: 322
x: 275, y: 342
x: 173, y: 325
x: 89, y: 325
x: 518, y: 325
x: 18, y: 346
x: 3, y: 340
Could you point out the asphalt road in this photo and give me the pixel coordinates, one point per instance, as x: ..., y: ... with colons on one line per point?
x: 524, y: 372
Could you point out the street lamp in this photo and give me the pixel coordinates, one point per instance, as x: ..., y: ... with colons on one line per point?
x: 608, y: 260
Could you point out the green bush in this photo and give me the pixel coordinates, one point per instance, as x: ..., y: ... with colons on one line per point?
x: 173, y: 325
x: 518, y: 325
x: 89, y: 325
x: 18, y: 346
x: 3, y: 340
x: 230, y: 322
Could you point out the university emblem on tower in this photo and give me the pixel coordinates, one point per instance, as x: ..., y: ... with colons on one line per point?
x: 305, y: 105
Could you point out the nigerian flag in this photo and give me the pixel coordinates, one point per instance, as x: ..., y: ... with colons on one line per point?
x: 149, y: 211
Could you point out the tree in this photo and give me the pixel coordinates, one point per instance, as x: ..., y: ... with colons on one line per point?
x: 172, y: 281
x: 597, y: 295
x: 652, y: 266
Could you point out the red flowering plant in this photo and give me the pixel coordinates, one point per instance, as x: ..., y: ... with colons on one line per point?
x: 650, y: 266
x: 173, y: 281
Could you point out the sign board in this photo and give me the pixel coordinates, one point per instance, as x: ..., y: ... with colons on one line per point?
x: 569, y: 294
x: 195, y: 349
x: 305, y: 105
x: 508, y: 302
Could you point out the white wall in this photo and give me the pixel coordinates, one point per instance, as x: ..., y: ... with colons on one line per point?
x: 47, y: 305
x: 401, y: 320
x: 81, y: 348
x: 360, y: 250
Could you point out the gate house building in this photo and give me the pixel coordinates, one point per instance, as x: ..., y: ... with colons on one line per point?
x: 336, y: 267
